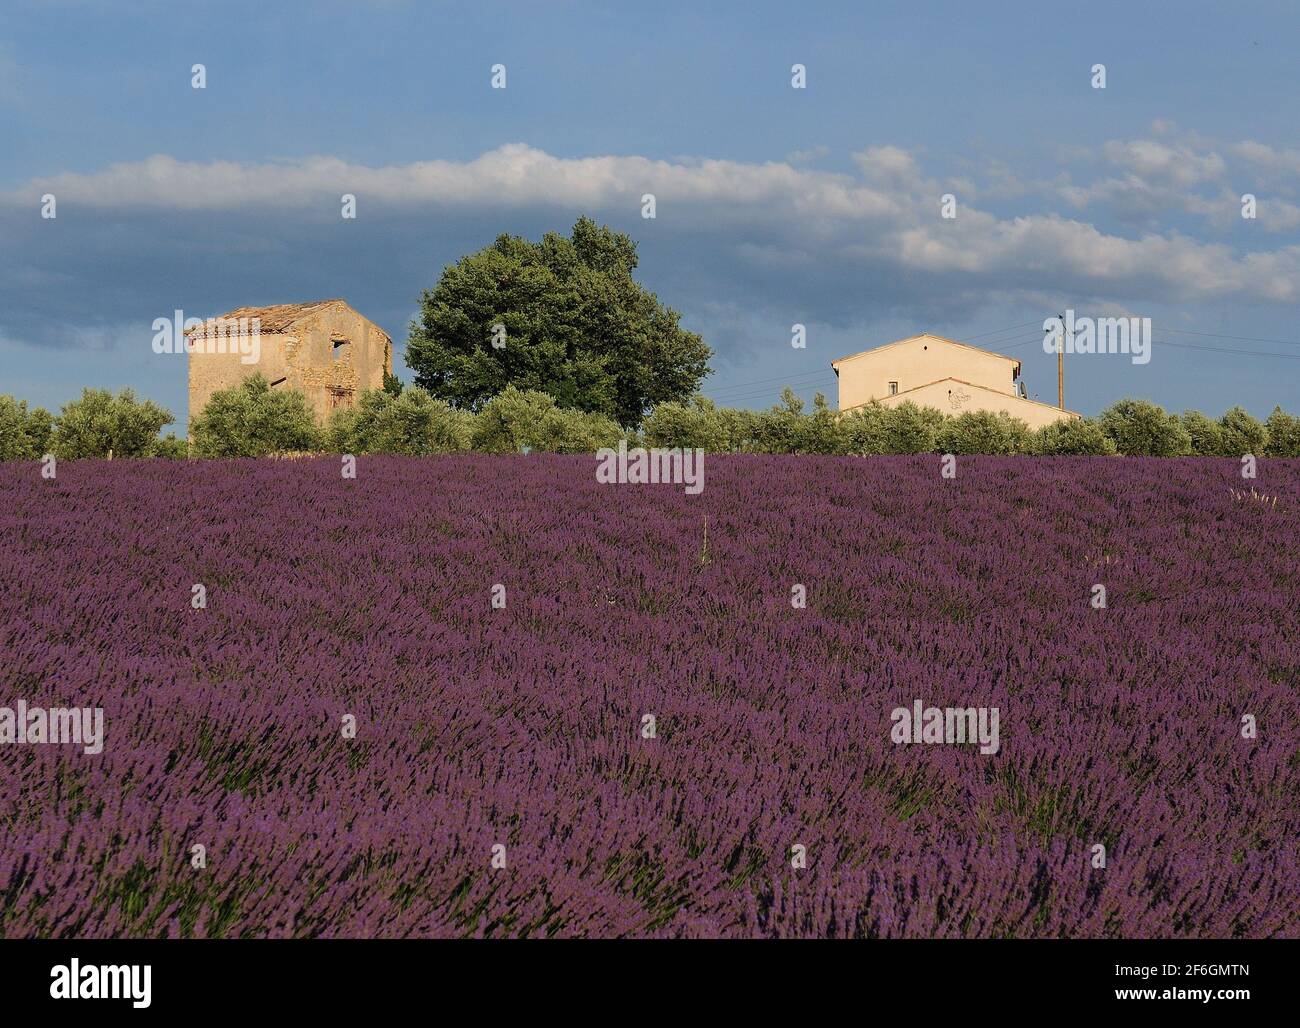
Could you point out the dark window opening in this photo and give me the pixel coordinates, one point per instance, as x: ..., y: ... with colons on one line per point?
x: 341, y: 348
x: 893, y: 388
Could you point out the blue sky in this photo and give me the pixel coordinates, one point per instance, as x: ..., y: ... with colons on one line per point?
x: 774, y: 205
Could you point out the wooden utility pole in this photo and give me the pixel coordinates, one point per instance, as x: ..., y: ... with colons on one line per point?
x: 1060, y: 368
x: 1060, y: 373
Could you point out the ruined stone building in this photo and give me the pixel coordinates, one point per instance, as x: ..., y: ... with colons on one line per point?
x: 324, y: 349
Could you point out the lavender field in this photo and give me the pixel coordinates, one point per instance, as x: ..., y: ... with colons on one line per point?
x: 522, y: 727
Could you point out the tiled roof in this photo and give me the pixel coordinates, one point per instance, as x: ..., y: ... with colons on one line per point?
x: 276, y: 318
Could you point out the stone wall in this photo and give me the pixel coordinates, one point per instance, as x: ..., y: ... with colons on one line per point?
x: 305, y: 357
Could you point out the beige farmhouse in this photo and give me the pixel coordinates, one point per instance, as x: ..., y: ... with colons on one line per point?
x: 935, y: 372
x: 324, y: 348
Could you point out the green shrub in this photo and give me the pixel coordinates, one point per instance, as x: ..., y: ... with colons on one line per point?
x: 408, y: 422
x: 1140, y: 428
x: 865, y: 430
x: 40, y: 430
x: 24, y: 434
x: 252, y: 420
x: 1071, y: 437
x: 700, y: 423
x: 1283, y: 434
x: 99, y: 423
x: 982, y: 431
x: 912, y: 429
x: 821, y: 432
x: 169, y: 447
x: 787, y: 429
x: 1241, y: 434
x: 508, y: 422
x: 565, y: 430
x: 1206, y: 435
x: 515, y: 418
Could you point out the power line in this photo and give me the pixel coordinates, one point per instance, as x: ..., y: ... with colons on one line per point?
x: 1244, y: 339
x: 1025, y: 342
x: 1211, y: 335
x: 1227, y: 349
x: 779, y: 378
x: 997, y: 331
x: 1218, y: 349
x: 1215, y: 349
x: 773, y: 396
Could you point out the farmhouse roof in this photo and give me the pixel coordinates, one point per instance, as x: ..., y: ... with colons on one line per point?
x: 924, y: 335
x: 273, y: 319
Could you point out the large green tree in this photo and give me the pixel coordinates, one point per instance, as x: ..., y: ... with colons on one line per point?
x: 576, y: 326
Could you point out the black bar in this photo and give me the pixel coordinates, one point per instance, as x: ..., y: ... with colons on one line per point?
x: 334, y: 977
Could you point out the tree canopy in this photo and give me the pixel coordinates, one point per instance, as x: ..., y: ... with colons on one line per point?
x: 562, y: 316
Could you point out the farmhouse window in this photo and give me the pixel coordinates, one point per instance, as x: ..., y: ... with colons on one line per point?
x: 893, y: 388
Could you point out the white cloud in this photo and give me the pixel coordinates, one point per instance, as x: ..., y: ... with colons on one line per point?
x: 1152, y: 161
x: 887, y: 164
x: 1267, y: 157
x: 1151, y: 182
x: 815, y: 153
x: 514, y: 174
x: 881, y: 225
